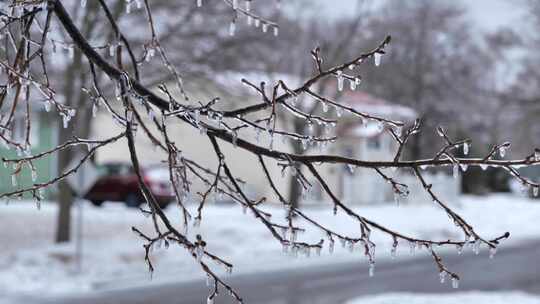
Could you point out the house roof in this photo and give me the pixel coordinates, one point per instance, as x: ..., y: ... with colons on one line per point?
x: 367, y: 103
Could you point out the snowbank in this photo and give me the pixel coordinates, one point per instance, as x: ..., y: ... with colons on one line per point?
x: 113, y: 255
x: 468, y: 297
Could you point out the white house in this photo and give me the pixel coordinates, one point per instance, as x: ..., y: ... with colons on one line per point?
x: 365, y: 141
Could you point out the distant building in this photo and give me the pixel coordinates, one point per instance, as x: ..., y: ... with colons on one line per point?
x: 43, y: 130
x: 365, y: 140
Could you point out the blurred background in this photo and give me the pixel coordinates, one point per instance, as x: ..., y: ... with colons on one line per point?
x: 469, y: 66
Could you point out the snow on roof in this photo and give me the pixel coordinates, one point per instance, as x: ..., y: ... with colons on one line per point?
x: 367, y: 103
x: 233, y: 80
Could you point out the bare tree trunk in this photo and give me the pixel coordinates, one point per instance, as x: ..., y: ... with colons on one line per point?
x: 80, y: 125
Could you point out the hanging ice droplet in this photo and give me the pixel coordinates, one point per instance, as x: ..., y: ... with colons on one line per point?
x: 377, y: 58
x: 492, y: 252
x: 371, y: 269
x: 393, y: 251
x: 339, y: 111
x: 353, y: 85
x: 466, y: 147
x: 232, y: 28
x: 442, y: 276
x: 94, y: 109
x: 455, y: 283
x: 235, y: 139
x: 483, y: 167
x: 340, y: 80
x: 464, y: 167
x: 351, y: 168
x: 502, y: 151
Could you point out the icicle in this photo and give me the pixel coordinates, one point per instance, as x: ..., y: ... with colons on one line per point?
x: 455, y: 171
x: 459, y: 249
x: 276, y: 31
x: 83, y: 3
x: 464, y: 167
x: 331, y: 246
x: 257, y: 22
x: 14, y: 180
x: 265, y: 27
x: 248, y: 5
x: 339, y: 111
x: 397, y: 198
x: 199, y: 3
x: 502, y: 151
x: 112, y: 49
x: 353, y: 85
x: 351, y: 168
x: 377, y: 58
x: 235, y: 139
x: 235, y: 4
x: 442, y: 276
x: 466, y: 147
x: 476, y: 246
x: 492, y: 252
x: 47, y: 106
x: 393, y: 251
x: 324, y: 107
x: 535, y: 191
x: 351, y: 246
x: 34, y: 175
x: 371, y: 269
x: 412, y: 246
x: 65, y: 121
x: 94, y: 109
x: 455, y: 282
x: 340, y: 80
x: 232, y: 28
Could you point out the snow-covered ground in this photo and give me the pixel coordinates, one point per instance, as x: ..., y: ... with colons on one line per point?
x: 113, y: 255
x: 466, y: 297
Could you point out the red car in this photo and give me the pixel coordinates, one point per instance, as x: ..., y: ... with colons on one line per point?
x: 118, y: 182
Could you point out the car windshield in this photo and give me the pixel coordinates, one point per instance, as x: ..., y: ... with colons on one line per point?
x: 114, y: 169
x: 158, y: 173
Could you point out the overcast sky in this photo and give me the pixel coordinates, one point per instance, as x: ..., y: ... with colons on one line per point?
x: 487, y: 14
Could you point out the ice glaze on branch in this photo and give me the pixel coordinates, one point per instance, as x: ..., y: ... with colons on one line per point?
x: 278, y: 100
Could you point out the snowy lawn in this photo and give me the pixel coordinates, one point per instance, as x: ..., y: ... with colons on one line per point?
x: 466, y: 297
x: 113, y: 255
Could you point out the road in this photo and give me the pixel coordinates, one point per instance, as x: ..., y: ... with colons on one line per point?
x: 513, y: 268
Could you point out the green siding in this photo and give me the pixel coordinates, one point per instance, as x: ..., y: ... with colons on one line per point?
x: 44, y: 166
